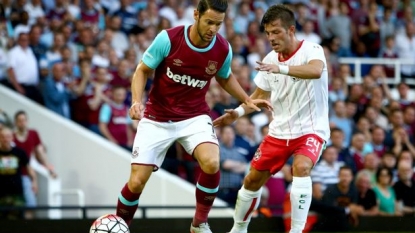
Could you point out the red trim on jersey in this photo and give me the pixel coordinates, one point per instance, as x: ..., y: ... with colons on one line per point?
x: 251, y: 208
x: 280, y: 59
x: 155, y: 167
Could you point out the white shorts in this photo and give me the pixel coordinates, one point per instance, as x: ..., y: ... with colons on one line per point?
x: 153, y: 138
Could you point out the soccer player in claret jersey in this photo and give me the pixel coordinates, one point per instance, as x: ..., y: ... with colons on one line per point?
x: 184, y: 59
x: 294, y: 77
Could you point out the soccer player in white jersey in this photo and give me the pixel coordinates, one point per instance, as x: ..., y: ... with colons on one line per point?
x: 294, y: 77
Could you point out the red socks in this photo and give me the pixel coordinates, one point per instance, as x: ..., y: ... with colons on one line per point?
x: 127, y: 204
x: 206, y: 189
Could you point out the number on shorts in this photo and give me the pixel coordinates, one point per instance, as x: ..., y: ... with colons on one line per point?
x: 313, y: 143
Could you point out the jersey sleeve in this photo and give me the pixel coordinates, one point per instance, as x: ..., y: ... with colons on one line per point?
x: 105, y: 114
x: 315, y: 52
x: 36, y: 138
x: 225, y: 70
x: 261, y: 80
x: 158, y: 50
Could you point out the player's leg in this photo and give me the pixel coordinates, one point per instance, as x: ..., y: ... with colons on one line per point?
x: 128, y: 199
x: 248, y: 199
x: 307, y: 152
x: 199, y: 139
x: 269, y: 159
x: 207, y: 186
x: 150, y: 146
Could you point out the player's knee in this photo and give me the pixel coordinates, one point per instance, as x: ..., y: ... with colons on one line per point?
x: 210, y: 165
x: 136, y: 185
x: 302, y: 167
x: 252, y: 184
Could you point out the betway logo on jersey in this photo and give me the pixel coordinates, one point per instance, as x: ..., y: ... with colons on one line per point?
x: 185, y: 79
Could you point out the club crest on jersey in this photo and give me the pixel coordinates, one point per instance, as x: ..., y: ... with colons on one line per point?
x: 212, y: 67
x: 257, y: 154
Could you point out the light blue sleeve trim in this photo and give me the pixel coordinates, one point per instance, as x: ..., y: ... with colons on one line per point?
x: 105, y: 113
x: 9, y: 28
x: 101, y: 21
x: 212, y: 43
x: 207, y: 190
x: 225, y: 70
x: 126, y: 202
x: 158, y: 50
x: 129, y: 120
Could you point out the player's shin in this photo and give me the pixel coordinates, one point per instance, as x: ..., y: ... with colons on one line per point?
x: 246, y: 204
x: 301, y: 192
x: 206, y: 189
x: 127, y: 204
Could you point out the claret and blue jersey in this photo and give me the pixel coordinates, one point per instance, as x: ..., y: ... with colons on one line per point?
x: 183, y: 73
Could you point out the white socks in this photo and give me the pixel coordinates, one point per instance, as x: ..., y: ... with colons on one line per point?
x: 300, y: 196
x: 246, y: 204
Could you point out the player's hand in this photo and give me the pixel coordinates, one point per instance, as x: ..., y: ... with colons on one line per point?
x: 270, y: 68
x: 136, y: 111
x: 226, y: 119
x: 260, y: 103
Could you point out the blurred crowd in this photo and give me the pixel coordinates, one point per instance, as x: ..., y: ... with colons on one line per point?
x: 77, y: 57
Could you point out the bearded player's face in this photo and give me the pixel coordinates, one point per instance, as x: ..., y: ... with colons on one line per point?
x: 279, y: 36
x: 208, y: 24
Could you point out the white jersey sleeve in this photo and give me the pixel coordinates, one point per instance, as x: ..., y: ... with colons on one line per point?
x: 315, y: 52
x: 261, y: 79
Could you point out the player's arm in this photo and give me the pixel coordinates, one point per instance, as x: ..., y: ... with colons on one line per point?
x: 232, y: 114
x: 258, y: 94
x: 138, y: 83
x: 311, y: 70
x: 152, y: 57
x: 228, y: 82
x: 232, y: 86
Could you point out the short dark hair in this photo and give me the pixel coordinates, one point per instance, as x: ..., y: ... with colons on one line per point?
x: 336, y: 129
x: 18, y: 113
x: 379, y: 172
x: 345, y: 167
x: 328, y: 147
x: 216, y: 5
x: 279, y: 12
